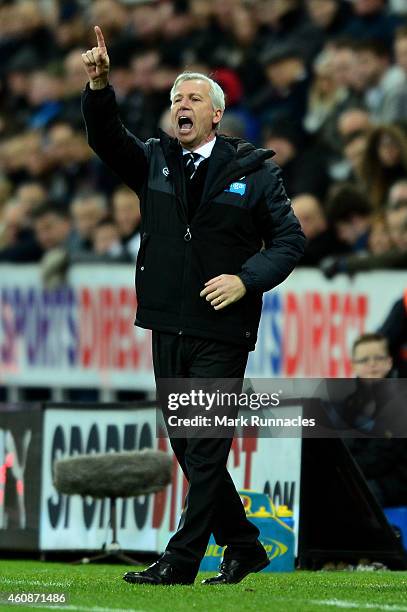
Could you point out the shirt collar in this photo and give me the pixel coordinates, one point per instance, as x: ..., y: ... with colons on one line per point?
x: 204, y: 151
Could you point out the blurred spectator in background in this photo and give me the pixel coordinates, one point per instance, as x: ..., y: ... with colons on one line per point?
x: 126, y: 213
x: 344, y: 71
x: 24, y: 29
x: 106, y: 241
x: 17, y: 241
x: 353, y: 121
x: 165, y: 123
x: 45, y: 91
x: 52, y: 227
x: 86, y: 212
x: 396, y: 219
x: 382, y: 461
x: 379, y: 238
x: 354, y: 147
x: 398, y: 194
x: 321, y: 240
x: 376, y: 76
x: 384, y: 162
x: 285, y: 22
x: 371, y: 357
x: 398, y: 6
x: 395, y: 330
x: 233, y: 125
x: 68, y: 162
x: 349, y: 212
x: 330, y: 16
x: 53, y: 232
x: 325, y: 95
x: 31, y: 194
x: 73, y: 85
x: 69, y: 26
x: 284, y: 97
x: 296, y: 159
x: 371, y: 20
x: 349, y: 142
x: 396, y: 106
x: 377, y: 256
x: 6, y: 189
x: 112, y: 16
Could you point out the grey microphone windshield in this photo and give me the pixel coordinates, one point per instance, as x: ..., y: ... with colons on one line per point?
x: 126, y: 474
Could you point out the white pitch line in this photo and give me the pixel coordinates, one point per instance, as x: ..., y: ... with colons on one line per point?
x: 79, y: 608
x: 37, y: 582
x: 339, y: 603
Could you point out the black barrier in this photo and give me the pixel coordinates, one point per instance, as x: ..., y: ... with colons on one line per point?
x: 341, y: 519
x: 20, y: 475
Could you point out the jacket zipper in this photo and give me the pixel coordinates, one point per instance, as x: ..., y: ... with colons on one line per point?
x: 187, y: 239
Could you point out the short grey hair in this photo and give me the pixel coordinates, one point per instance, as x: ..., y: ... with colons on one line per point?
x: 215, y: 90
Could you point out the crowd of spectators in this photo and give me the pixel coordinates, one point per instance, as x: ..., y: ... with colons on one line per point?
x: 321, y: 82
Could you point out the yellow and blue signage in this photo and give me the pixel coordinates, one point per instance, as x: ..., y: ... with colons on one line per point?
x: 276, y: 534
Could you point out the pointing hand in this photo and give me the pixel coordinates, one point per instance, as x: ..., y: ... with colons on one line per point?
x: 96, y: 62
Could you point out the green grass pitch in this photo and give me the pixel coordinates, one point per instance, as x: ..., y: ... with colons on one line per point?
x: 100, y: 588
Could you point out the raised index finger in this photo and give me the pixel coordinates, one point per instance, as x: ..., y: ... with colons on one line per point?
x: 100, y: 39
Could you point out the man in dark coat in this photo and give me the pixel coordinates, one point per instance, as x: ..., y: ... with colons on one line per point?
x: 217, y: 231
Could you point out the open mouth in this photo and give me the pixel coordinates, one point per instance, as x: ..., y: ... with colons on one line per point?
x: 185, y: 124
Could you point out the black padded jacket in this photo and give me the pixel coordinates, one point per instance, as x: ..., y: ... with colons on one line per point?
x: 244, y: 225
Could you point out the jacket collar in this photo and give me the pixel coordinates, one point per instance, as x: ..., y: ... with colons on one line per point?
x: 231, y: 159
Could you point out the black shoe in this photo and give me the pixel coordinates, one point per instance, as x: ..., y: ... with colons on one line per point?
x: 234, y: 570
x: 161, y: 572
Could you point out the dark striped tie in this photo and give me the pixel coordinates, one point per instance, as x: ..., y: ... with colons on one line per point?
x: 189, y: 163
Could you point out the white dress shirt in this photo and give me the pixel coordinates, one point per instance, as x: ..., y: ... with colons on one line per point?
x: 204, y: 151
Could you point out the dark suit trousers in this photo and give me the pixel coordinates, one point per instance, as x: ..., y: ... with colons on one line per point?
x: 212, y: 504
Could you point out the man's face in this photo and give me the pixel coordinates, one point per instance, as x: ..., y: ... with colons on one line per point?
x: 400, y: 49
x: 343, y: 66
x: 370, y: 68
x: 284, y: 73
x: 354, y: 151
x: 31, y: 194
x: 397, y: 226
x: 105, y: 238
x: 51, y: 230
x: 389, y: 151
x: 322, y: 12
x: 13, y: 218
x: 192, y: 114
x: 284, y: 149
x: 308, y: 211
x: 60, y: 139
x: 126, y: 208
x: 350, y: 230
x: 371, y: 360
x: 398, y: 194
x: 353, y: 121
x: 367, y: 7
x: 86, y: 215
